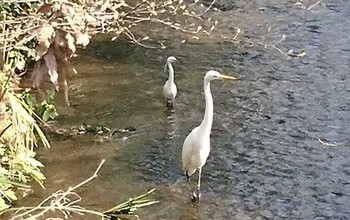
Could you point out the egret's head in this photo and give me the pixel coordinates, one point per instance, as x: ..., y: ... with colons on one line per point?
x: 212, y: 74
x: 171, y: 59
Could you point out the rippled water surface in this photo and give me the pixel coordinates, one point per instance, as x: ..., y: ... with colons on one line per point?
x: 280, y: 138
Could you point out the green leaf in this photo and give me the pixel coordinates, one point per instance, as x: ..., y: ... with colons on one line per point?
x: 24, y: 48
x: 10, y: 195
x: 3, y: 204
x: 2, y: 151
x: 44, y: 103
x: 20, y: 64
x: 33, y: 162
x: 50, y: 113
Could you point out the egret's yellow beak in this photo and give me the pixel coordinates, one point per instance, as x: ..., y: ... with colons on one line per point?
x: 226, y: 77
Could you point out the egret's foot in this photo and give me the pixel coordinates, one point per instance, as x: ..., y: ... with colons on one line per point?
x: 170, y: 105
x: 195, y: 197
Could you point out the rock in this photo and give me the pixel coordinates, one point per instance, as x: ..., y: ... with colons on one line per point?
x: 224, y: 5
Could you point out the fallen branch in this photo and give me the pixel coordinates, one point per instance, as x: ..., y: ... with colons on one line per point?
x: 67, y: 203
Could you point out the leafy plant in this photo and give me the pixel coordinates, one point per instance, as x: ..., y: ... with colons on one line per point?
x: 127, y: 209
x: 46, y: 110
x: 19, y: 133
x: 16, y: 9
x: 17, y: 141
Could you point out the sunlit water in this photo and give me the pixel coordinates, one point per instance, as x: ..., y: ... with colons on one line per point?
x: 280, y: 138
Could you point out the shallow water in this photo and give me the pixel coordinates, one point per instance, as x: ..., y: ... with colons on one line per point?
x: 280, y: 138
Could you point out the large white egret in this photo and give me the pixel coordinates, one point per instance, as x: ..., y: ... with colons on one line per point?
x: 169, y: 88
x: 196, y: 147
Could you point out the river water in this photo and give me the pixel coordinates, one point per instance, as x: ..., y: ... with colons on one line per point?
x: 280, y: 138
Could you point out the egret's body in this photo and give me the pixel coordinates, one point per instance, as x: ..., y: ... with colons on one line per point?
x: 169, y: 88
x: 196, y: 147
x: 195, y: 151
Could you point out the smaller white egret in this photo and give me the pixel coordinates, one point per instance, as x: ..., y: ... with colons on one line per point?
x: 196, y: 147
x: 169, y: 88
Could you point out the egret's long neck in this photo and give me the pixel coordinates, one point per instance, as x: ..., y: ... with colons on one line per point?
x: 171, y: 73
x: 209, y: 109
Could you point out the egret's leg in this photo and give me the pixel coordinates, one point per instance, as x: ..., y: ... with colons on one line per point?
x: 189, y: 183
x: 199, y: 183
x: 168, y: 103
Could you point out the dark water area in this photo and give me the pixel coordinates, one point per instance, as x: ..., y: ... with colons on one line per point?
x: 281, y: 134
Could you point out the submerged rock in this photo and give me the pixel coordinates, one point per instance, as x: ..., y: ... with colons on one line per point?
x: 224, y: 5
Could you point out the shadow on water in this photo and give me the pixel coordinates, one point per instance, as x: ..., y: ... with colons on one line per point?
x: 280, y: 138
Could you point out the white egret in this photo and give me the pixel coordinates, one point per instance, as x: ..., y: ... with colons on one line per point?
x: 169, y: 88
x: 196, y: 147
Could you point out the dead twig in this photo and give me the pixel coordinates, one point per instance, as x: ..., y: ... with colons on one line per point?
x: 313, y: 5
x: 207, y: 9
x: 327, y: 144
x: 134, y: 40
